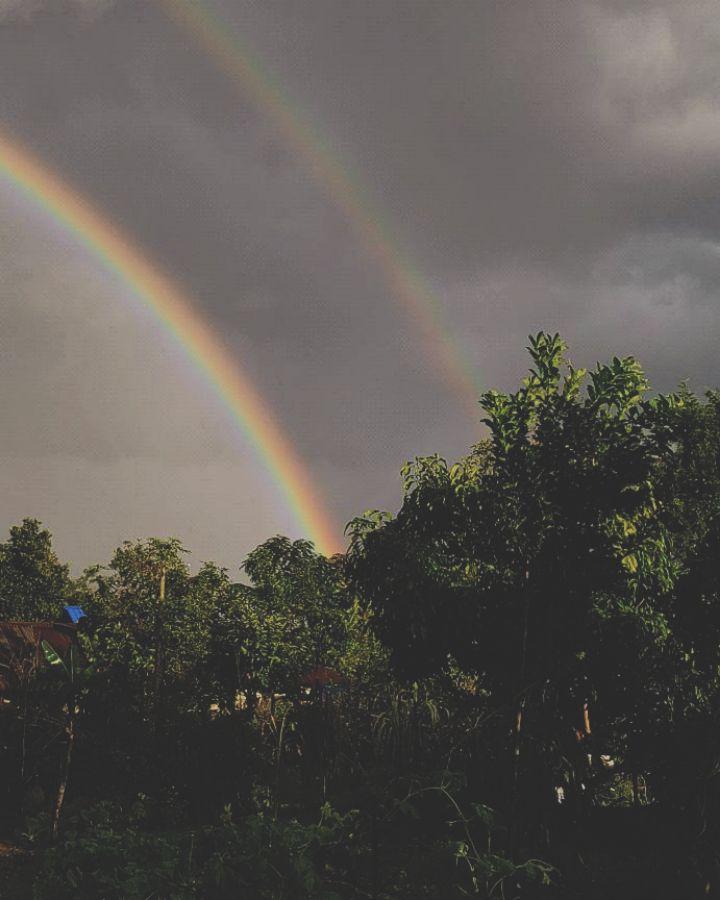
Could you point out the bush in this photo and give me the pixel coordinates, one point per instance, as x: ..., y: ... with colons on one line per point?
x: 106, y: 853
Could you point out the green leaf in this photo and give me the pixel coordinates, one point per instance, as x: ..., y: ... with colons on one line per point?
x: 630, y: 563
x: 51, y: 655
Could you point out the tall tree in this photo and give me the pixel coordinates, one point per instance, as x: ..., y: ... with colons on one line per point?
x: 510, y: 560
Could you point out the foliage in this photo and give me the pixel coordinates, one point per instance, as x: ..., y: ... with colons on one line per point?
x: 295, y: 611
x: 516, y: 694
x: 106, y: 853
x: 33, y: 582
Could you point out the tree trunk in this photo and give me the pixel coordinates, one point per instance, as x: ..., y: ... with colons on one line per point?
x: 159, y: 659
x: 517, y: 730
x: 518, y: 717
x: 636, y: 789
x: 62, y: 787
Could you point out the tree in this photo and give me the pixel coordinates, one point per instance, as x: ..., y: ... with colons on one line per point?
x: 33, y: 582
x: 509, y: 561
x: 150, y: 640
x: 295, y: 613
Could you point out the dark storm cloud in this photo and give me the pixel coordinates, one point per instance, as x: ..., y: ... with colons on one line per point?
x: 542, y: 128
x: 544, y: 164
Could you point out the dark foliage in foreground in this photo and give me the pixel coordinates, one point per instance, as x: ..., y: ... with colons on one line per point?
x: 508, y: 689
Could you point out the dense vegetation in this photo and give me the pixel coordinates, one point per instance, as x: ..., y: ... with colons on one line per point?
x: 511, y: 688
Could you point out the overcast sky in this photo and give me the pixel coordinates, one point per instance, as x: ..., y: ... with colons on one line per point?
x: 543, y: 165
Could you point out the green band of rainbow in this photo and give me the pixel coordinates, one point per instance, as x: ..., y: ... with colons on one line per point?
x: 175, y: 312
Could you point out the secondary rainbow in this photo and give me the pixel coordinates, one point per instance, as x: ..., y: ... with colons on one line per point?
x: 404, y: 278
x: 175, y: 312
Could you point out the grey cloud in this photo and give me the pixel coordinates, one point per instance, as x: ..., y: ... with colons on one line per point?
x: 26, y: 10
x: 497, y: 121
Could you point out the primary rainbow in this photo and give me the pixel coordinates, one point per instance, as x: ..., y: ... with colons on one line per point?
x: 403, y: 276
x: 175, y: 312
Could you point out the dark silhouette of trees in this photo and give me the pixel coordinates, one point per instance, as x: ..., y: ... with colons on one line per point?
x: 510, y: 688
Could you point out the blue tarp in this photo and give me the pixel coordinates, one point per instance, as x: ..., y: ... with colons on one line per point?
x: 74, y: 613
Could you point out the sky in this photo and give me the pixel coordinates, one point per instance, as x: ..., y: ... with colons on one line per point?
x: 535, y: 164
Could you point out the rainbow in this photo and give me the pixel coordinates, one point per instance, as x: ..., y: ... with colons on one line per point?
x: 404, y: 278
x: 175, y: 312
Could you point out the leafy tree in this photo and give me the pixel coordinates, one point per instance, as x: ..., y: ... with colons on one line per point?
x: 33, y: 582
x: 143, y: 627
x: 509, y: 561
x: 295, y: 613
x: 153, y: 641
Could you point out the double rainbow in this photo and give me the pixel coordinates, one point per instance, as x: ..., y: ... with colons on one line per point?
x: 174, y: 311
